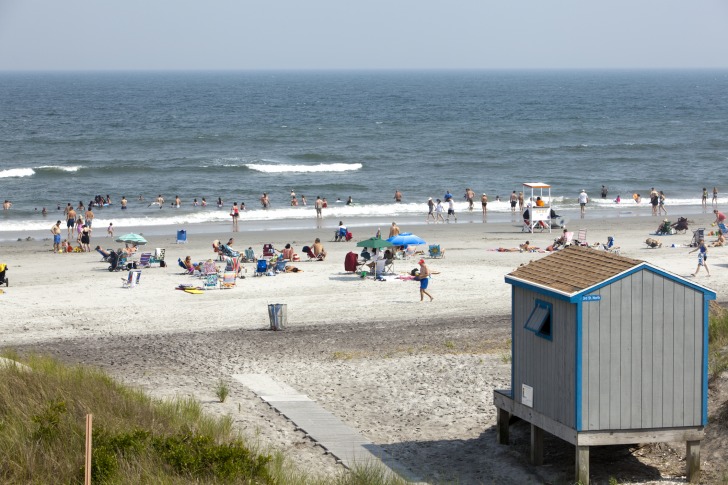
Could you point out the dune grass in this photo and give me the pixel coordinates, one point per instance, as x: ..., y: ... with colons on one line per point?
x: 136, y: 439
x: 718, y: 340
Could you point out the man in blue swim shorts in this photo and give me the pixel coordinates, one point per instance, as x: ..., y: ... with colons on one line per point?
x: 56, y: 231
x: 424, y: 279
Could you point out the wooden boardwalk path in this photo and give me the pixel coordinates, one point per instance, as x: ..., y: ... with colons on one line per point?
x: 328, y: 431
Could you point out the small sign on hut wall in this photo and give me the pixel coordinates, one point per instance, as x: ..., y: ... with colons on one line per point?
x: 527, y: 395
x: 591, y: 297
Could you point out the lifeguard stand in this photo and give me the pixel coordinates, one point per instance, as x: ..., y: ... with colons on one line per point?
x: 539, y: 214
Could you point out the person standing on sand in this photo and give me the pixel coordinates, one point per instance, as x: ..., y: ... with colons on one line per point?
x: 70, y: 220
x: 430, y: 210
x: 484, y: 203
x: 704, y: 199
x: 583, y: 200
x: 110, y: 230
x: 654, y: 200
x: 56, y: 231
x: 424, y: 278
x: 319, y: 205
x: 235, y: 214
x: 451, y: 210
x: 702, y: 257
x: 469, y: 196
x: 715, y: 197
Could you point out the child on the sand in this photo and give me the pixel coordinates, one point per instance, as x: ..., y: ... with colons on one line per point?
x: 110, y: 230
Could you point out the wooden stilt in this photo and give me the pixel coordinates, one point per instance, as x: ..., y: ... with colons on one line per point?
x: 582, y: 465
x: 503, y: 426
x: 89, y: 435
x: 693, y: 461
x: 536, y: 445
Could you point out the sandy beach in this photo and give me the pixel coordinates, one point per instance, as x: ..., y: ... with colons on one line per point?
x: 414, y: 377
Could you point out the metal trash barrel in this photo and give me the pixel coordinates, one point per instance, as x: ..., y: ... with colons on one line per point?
x: 278, y: 315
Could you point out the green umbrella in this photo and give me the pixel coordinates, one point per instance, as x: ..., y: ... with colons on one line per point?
x: 375, y: 243
x: 132, y: 238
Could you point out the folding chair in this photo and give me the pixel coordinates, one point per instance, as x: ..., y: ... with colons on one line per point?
x: 436, y: 251
x: 132, y: 279
x: 228, y: 280
x: 581, y: 238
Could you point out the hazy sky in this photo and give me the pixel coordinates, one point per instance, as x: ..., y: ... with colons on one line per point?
x: 375, y: 34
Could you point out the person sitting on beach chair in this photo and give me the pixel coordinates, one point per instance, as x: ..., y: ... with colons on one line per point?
x: 340, y: 234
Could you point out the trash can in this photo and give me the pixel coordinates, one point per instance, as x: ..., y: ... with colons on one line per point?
x: 181, y: 236
x: 278, y: 315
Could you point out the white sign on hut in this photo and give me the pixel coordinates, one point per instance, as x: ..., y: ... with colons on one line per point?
x: 607, y: 350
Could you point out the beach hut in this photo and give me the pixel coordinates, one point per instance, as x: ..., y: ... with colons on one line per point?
x: 606, y: 350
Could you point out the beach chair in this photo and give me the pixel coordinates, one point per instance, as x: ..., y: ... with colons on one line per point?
x: 261, y: 267
x: 216, y: 249
x: 3, y: 279
x: 309, y: 254
x: 132, y: 279
x: 232, y: 264
x: 210, y: 281
x: 228, y: 280
x: 145, y: 260
x: 249, y: 256
x: 105, y: 253
x: 185, y: 268
x: 581, y: 238
x: 208, y: 268
x: 610, y: 247
x: 351, y: 262
x: 268, y: 251
x: 228, y: 251
x: 280, y: 265
x: 389, y: 266
x: 435, y: 251
x: 158, y: 257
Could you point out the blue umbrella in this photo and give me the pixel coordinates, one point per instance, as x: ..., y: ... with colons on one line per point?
x: 406, y: 239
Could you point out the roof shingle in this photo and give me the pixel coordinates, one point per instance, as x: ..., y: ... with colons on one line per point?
x: 574, y: 269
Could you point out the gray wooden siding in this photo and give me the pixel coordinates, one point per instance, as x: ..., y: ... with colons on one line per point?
x: 546, y: 365
x: 641, y: 355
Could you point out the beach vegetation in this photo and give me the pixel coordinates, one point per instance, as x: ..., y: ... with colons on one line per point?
x: 222, y: 390
x: 718, y: 341
x: 136, y: 439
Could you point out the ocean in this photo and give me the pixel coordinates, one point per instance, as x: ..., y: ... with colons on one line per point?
x: 67, y: 137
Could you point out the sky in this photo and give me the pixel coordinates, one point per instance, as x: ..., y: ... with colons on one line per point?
x: 376, y: 34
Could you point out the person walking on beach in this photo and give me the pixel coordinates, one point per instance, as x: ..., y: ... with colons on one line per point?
x: 514, y: 200
x: 583, y: 200
x: 235, y: 214
x: 424, y: 278
x: 319, y: 205
x: 430, y: 210
x: 110, y: 230
x: 484, y: 203
x: 56, y: 231
x: 397, y: 195
x: 438, y: 211
x: 451, y: 210
x: 654, y: 200
x: 704, y: 199
x: 702, y: 257
x: 661, y: 203
x: 715, y: 197
x: 469, y: 196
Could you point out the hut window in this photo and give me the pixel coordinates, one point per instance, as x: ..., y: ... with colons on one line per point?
x: 539, y: 322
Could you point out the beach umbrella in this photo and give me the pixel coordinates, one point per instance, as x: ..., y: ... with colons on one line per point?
x: 132, y: 238
x: 375, y: 243
x: 406, y: 239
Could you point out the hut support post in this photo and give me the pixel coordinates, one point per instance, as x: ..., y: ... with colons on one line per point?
x: 536, y: 445
x: 503, y: 426
x: 693, y: 461
x: 582, y: 465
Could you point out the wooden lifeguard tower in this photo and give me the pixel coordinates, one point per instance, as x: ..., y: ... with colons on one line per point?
x: 606, y: 350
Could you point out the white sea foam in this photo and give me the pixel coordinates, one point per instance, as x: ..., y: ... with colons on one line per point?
x: 17, y: 172
x: 73, y: 168
x: 321, y: 167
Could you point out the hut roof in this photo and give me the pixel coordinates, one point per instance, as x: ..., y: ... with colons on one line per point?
x: 574, y: 269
